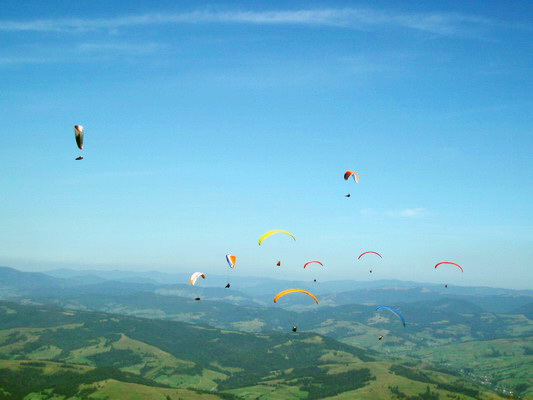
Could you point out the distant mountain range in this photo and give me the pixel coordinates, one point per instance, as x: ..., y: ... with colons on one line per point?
x: 448, y: 317
x: 262, y: 285
x: 250, y: 291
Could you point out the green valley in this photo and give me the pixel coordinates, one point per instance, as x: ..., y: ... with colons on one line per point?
x: 66, y: 354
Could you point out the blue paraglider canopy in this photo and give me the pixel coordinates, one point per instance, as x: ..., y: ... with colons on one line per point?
x: 394, y: 311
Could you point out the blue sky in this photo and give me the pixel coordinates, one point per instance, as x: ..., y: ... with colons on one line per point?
x: 208, y: 124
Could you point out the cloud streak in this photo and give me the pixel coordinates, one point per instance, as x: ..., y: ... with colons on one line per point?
x: 120, y: 48
x: 15, y: 60
x: 404, y: 213
x: 353, y: 18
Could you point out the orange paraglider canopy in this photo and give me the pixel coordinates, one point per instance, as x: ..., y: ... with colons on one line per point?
x: 283, y: 293
x: 348, y: 174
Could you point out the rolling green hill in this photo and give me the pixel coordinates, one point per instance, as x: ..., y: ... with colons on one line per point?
x: 76, y: 354
x: 438, y: 322
x: 501, y: 363
x: 51, y: 380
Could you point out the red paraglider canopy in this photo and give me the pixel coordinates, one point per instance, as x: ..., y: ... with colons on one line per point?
x: 310, y: 262
x: 451, y: 263
x: 368, y: 252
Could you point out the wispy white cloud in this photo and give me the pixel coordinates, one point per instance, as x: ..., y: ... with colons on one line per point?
x: 439, y: 23
x: 120, y: 47
x: 409, y: 213
x: 79, y: 52
x: 404, y: 213
x: 17, y: 60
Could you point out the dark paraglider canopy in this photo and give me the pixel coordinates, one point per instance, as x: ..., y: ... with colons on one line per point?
x: 227, y: 286
x: 197, y: 299
x: 348, y: 195
x: 78, y: 134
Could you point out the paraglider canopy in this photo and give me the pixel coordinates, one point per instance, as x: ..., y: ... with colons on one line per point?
x: 311, y: 262
x: 394, y: 311
x: 278, y: 263
x: 232, y: 260
x: 368, y: 252
x: 195, y: 276
x: 285, y: 292
x: 270, y: 233
x: 450, y: 263
x: 78, y: 133
x: 348, y: 174
x: 294, y: 328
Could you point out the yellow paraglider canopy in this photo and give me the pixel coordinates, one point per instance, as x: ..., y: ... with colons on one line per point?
x: 272, y: 233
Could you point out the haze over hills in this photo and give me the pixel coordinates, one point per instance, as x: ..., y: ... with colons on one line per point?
x: 256, y: 291
x: 263, y: 285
